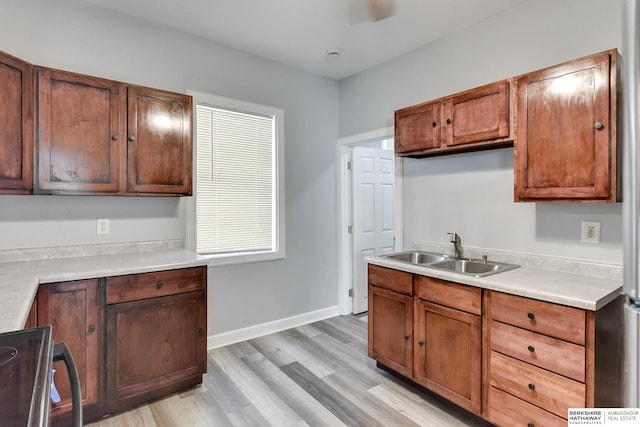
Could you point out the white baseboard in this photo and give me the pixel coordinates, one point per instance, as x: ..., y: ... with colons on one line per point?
x: 238, y: 335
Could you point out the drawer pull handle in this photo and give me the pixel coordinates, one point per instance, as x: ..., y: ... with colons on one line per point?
x: 531, y: 349
x: 531, y: 316
x: 92, y: 328
x: 160, y: 284
x: 532, y: 387
x: 530, y: 425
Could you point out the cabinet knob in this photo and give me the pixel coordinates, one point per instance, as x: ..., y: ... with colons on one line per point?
x: 115, y: 137
x: 530, y: 425
x: 420, y: 343
x: 434, y: 124
x: 531, y: 316
x: 532, y: 387
x: 448, y: 121
x: 406, y: 337
x: 201, y: 332
x: 92, y: 328
x: 132, y: 137
x: 531, y: 349
x: 159, y: 284
x: 598, y: 125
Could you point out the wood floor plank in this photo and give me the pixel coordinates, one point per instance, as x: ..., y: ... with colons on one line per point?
x: 349, y: 413
x: 313, y: 375
x: 311, y: 411
x: 269, y: 404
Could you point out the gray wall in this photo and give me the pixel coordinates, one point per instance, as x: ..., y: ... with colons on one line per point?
x: 472, y: 194
x: 75, y: 36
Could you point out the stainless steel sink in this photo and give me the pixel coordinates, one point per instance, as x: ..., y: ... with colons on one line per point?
x: 416, y: 257
x: 469, y: 267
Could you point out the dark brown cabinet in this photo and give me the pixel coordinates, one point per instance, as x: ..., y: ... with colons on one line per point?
x: 476, y: 119
x: 428, y: 330
x: 391, y: 318
x: 566, y: 148
x: 134, y: 338
x: 158, y: 142
x: 79, y: 133
x: 75, y: 310
x: 156, y: 334
x: 97, y: 136
x: 417, y: 128
x: 449, y: 341
x: 16, y: 126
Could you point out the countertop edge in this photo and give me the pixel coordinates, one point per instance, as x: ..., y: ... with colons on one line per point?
x: 593, y: 297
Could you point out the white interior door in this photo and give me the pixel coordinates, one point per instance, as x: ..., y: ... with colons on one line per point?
x: 372, y: 194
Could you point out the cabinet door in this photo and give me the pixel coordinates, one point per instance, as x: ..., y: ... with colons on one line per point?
x: 16, y: 126
x: 391, y: 329
x: 477, y: 115
x: 159, y: 142
x: 448, y: 353
x: 566, y: 146
x: 78, y: 133
x: 417, y: 128
x: 154, y: 343
x: 75, y: 312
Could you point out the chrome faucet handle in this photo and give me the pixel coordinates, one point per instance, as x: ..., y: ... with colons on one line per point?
x: 453, y: 237
x: 484, y: 259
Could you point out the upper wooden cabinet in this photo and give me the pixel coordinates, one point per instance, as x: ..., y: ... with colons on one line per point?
x: 97, y: 136
x: 16, y: 126
x: 566, y: 148
x: 159, y: 141
x: 476, y: 119
x: 79, y: 133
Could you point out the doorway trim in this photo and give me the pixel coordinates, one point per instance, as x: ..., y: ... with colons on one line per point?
x: 345, y: 253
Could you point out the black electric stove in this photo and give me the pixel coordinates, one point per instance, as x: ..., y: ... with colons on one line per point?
x: 25, y: 377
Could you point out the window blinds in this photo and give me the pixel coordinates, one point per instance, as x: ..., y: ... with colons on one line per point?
x: 235, y: 193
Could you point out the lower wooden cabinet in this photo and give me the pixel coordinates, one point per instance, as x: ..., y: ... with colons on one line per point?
x: 448, y: 355
x: 390, y: 329
x: 75, y: 310
x: 153, y: 343
x: 133, y: 338
x: 508, y: 359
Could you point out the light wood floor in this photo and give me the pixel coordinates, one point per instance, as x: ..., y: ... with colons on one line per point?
x: 313, y: 375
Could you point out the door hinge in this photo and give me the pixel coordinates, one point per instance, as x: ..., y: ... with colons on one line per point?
x: 350, y: 229
x: 350, y: 165
x: 351, y: 292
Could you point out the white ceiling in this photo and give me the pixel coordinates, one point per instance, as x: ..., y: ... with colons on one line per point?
x: 299, y: 32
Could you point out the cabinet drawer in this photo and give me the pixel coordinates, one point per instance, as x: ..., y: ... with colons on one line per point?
x: 542, y: 388
x: 506, y: 410
x: 549, y: 353
x: 156, y: 284
x: 465, y: 298
x: 558, y: 321
x: 393, y: 280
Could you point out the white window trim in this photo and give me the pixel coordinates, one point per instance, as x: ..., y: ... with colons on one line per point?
x: 240, y: 258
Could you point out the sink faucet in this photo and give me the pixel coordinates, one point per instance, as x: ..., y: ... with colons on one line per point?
x: 455, y: 239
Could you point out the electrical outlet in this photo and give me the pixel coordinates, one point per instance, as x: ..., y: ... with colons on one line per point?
x: 102, y: 226
x: 590, y: 232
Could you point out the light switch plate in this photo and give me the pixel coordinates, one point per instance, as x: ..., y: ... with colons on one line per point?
x: 590, y: 232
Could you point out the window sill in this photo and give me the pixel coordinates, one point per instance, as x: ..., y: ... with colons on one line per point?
x: 243, y: 258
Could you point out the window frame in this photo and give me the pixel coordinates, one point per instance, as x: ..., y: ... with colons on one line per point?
x: 279, y: 252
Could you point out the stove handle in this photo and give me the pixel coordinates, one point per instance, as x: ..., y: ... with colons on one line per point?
x: 61, y: 352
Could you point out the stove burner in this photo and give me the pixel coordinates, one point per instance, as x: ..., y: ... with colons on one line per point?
x: 7, y: 354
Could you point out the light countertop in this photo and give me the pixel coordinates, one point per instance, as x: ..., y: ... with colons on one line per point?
x: 19, y: 280
x: 560, y: 287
